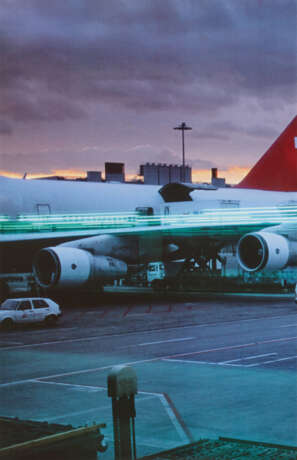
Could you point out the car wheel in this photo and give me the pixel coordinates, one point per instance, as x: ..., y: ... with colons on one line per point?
x: 7, y: 324
x: 51, y: 320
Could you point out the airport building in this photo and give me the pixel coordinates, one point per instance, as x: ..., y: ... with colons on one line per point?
x: 94, y: 176
x: 151, y: 173
x: 115, y: 172
x: 161, y: 173
x: 218, y: 182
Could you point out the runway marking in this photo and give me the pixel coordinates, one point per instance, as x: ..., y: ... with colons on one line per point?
x: 229, y: 363
x: 91, y: 388
x: 288, y: 358
x: 176, y: 419
x: 88, y: 388
x: 188, y: 361
x: 182, y: 339
x: 246, y: 358
x: 149, y: 360
x: 278, y: 340
x: 173, y: 414
x: 166, y: 401
x: 17, y: 382
x: 53, y: 342
x: 153, y: 331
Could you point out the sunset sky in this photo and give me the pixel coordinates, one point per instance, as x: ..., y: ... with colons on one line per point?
x: 88, y: 81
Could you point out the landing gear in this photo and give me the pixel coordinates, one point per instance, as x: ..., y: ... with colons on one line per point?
x: 206, y: 263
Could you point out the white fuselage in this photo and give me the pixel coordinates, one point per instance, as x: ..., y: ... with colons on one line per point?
x: 29, y: 197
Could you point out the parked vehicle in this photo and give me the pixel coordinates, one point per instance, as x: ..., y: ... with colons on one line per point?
x: 155, y: 274
x: 28, y: 310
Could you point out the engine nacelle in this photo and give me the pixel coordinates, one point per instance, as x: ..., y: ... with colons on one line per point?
x: 71, y: 267
x: 262, y: 250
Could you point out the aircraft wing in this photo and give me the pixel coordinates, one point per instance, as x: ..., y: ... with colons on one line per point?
x: 21, y: 239
x: 220, y: 224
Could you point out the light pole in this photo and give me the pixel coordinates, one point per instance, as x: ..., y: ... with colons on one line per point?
x: 183, y: 127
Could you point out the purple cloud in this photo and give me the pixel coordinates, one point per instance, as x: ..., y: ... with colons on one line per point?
x: 86, y: 62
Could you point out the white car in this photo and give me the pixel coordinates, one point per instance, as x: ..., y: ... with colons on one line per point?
x: 28, y: 310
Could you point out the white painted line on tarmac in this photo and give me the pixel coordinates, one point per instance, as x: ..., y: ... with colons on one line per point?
x: 150, y: 360
x: 230, y: 364
x: 79, y: 372
x: 246, y: 358
x: 282, y: 339
x: 57, y: 342
x: 170, y: 412
x: 182, y: 339
x: 154, y: 331
x: 17, y: 382
x: 87, y: 388
x: 184, y: 438
x: 182, y: 431
x: 142, y: 361
x: 273, y: 361
x: 54, y: 342
x: 187, y: 361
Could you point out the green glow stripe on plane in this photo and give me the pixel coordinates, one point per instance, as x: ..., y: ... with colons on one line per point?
x: 99, y: 221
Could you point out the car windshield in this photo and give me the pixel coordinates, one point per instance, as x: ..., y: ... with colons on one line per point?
x: 9, y: 304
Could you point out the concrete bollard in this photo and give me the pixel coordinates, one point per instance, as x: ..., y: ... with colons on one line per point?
x: 122, y: 387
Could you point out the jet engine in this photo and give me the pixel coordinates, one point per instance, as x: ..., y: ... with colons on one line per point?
x: 263, y: 250
x: 71, y: 267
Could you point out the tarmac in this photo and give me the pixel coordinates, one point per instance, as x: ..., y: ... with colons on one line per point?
x: 206, y: 368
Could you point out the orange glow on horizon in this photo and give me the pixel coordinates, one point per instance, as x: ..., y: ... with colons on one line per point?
x: 68, y: 173
x: 232, y: 175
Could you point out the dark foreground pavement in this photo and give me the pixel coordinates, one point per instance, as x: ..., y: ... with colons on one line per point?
x: 226, y: 450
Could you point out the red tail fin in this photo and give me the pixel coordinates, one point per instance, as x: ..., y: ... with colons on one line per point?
x: 277, y: 169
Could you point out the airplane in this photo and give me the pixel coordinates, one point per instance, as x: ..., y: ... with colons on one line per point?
x: 80, y: 235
